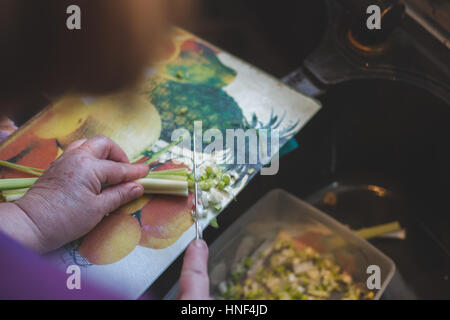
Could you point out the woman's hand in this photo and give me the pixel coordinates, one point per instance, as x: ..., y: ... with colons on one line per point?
x: 68, y: 200
x: 194, y: 280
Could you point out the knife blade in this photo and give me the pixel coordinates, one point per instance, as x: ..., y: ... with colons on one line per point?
x: 198, y: 232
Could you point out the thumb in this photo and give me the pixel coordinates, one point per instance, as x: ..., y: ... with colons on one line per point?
x: 114, y: 197
x: 194, y: 280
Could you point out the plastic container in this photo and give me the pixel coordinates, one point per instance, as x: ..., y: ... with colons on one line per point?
x: 279, y: 211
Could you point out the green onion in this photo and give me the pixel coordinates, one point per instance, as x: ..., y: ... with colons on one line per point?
x: 173, y: 172
x: 226, y: 179
x: 19, y: 183
x: 171, y: 182
x: 13, y: 195
x: 209, y: 171
x: 214, y: 223
x: 18, y: 167
x: 205, y: 185
x: 164, y: 150
x: 161, y: 186
x: 168, y: 177
x: 372, y: 232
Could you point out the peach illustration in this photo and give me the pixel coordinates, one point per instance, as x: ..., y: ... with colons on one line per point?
x: 111, y: 240
x: 164, y: 219
x: 128, y: 119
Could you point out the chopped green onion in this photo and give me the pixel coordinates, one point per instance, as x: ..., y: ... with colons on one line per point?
x: 205, y: 185
x: 209, y: 171
x: 213, y: 223
x: 226, y: 179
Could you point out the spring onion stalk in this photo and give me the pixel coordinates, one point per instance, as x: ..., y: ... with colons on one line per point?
x: 169, y: 193
x: 38, y: 172
x: 19, y: 183
x: 13, y: 195
x: 162, y: 186
x: 172, y: 172
x: 164, y: 150
x: 372, y: 232
x: 18, y: 167
x: 168, y: 177
x: 174, y: 182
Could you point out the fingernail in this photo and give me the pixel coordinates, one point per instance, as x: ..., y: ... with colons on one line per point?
x: 200, y: 244
x: 136, y: 191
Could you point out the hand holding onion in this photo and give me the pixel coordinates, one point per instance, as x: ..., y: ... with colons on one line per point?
x: 68, y: 200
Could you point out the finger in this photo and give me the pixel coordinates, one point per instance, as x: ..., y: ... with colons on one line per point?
x: 75, y: 144
x: 116, y: 196
x: 103, y: 147
x: 110, y: 172
x: 194, y: 281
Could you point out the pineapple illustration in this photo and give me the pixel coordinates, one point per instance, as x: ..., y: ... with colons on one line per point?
x: 190, y: 88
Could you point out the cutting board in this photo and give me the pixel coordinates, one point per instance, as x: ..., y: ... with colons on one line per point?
x: 191, y: 80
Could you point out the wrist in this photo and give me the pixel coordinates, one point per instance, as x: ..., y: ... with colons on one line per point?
x: 17, y: 224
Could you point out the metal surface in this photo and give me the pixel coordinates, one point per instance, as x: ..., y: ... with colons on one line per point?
x: 198, y: 231
x: 409, y: 55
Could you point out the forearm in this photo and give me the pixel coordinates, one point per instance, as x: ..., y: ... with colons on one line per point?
x: 15, y: 223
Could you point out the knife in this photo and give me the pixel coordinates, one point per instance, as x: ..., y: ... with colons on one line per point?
x: 198, y: 231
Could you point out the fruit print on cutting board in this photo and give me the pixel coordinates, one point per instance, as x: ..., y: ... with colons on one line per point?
x: 190, y: 88
x: 152, y: 221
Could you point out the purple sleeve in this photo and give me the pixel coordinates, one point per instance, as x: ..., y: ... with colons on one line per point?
x: 26, y: 275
